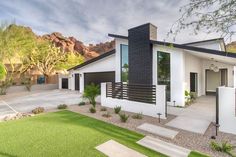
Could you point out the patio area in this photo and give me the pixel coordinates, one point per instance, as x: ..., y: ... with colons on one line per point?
x: 196, y: 117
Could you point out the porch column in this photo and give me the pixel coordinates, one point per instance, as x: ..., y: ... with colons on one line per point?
x: 234, y: 76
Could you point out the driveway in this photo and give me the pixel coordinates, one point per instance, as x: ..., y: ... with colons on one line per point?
x: 197, y: 117
x: 25, y: 102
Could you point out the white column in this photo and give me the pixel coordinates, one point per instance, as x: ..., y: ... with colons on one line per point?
x: 161, y: 100
x: 234, y: 76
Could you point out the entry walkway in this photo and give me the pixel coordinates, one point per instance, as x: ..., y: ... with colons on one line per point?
x: 197, y: 117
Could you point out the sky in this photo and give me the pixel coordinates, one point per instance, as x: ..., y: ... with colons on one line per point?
x: 91, y: 20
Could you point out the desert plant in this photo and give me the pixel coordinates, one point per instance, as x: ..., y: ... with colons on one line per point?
x: 81, y: 103
x: 103, y: 109
x: 92, y: 109
x: 91, y: 92
x: 107, y: 115
x: 62, y: 106
x: 4, y: 85
x: 117, y: 109
x: 27, y: 82
x: 222, y: 147
x: 38, y: 110
x: 123, y: 117
x: 138, y: 116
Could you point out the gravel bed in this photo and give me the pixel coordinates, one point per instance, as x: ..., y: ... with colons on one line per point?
x: 190, y: 140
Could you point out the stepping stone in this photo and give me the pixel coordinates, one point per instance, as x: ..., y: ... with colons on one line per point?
x: 114, y: 149
x: 164, y: 147
x: 157, y: 130
x: 190, y: 124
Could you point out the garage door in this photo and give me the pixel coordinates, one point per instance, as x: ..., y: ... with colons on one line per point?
x: 98, y: 77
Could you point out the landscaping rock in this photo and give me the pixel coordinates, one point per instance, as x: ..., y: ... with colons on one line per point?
x: 16, y: 116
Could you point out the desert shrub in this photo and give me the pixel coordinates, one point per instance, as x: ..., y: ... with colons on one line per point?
x: 222, y: 147
x: 117, y: 109
x: 138, y: 116
x: 91, y: 92
x: 92, y: 109
x: 107, y: 115
x: 27, y: 82
x: 103, y: 109
x: 38, y: 110
x: 4, y: 85
x: 81, y: 103
x: 62, y: 106
x: 123, y: 117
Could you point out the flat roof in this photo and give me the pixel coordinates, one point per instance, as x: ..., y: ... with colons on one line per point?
x: 106, y: 54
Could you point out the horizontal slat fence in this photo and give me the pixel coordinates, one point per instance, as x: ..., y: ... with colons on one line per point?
x: 132, y: 92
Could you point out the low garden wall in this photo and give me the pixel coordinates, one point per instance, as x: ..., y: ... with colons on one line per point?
x: 227, y: 109
x: 138, y: 107
x: 14, y: 89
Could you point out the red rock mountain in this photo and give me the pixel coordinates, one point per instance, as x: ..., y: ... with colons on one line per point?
x: 231, y: 47
x: 71, y: 44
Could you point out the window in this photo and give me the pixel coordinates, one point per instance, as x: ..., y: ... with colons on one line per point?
x: 163, y: 73
x: 124, y: 63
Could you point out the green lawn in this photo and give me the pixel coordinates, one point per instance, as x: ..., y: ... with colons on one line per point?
x: 65, y: 134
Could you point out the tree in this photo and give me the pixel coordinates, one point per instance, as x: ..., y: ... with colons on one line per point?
x: 3, y: 72
x: 46, y: 57
x: 210, y: 16
x: 91, y: 92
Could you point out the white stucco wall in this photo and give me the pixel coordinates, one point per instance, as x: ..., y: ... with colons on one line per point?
x: 214, y: 45
x: 177, y: 72
x: 103, y: 65
x: 137, y: 107
x: 193, y: 64
x: 227, y: 115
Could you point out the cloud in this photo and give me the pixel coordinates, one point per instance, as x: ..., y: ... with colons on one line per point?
x: 91, y: 20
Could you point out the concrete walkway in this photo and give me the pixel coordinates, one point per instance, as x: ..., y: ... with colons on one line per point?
x: 164, y: 147
x: 48, y: 99
x: 195, y: 118
x: 114, y: 149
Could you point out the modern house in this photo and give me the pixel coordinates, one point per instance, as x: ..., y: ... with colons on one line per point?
x: 140, y: 58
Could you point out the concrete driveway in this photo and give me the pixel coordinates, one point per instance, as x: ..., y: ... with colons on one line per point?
x: 25, y: 102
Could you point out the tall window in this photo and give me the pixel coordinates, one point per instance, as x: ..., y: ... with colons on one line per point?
x: 164, y: 71
x: 124, y: 63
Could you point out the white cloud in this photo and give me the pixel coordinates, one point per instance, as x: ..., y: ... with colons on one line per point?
x: 91, y: 20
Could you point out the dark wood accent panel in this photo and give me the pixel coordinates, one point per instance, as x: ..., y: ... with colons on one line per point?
x: 64, y: 83
x: 77, y: 82
x: 132, y: 92
x: 140, y: 54
x: 98, y: 77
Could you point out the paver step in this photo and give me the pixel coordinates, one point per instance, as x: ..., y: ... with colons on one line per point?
x: 114, y: 149
x: 158, y: 130
x: 164, y: 147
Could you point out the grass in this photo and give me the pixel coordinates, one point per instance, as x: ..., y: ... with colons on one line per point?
x: 63, y: 133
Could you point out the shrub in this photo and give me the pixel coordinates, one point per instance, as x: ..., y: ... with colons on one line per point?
x: 92, y: 109
x: 91, y: 92
x: 123, y: 117
x: 62, y: 106
x: 38, y: 110
x: 81, y: 103
x: 117, y: 109
x: 222, y: 147
x: 107, y: 115
x: 138, y: 116
x: 103, y: 109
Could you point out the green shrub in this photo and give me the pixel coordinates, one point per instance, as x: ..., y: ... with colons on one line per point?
x: 117, y: 109
x: 91, y: 92
x: 62, y: 106
x: 107, y: 115
x: 38, y: 110
x: 92, y: 109
x: 103, y: 109
x: 138, y: 116
x: 222, y: 147
x: 123, y: 117
x: 81, y: 103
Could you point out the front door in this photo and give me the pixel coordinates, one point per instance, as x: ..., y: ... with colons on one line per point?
x: 77, y: 80
x: 193, y: 82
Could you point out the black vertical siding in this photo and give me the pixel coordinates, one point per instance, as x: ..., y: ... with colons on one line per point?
x: 140, y: 54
